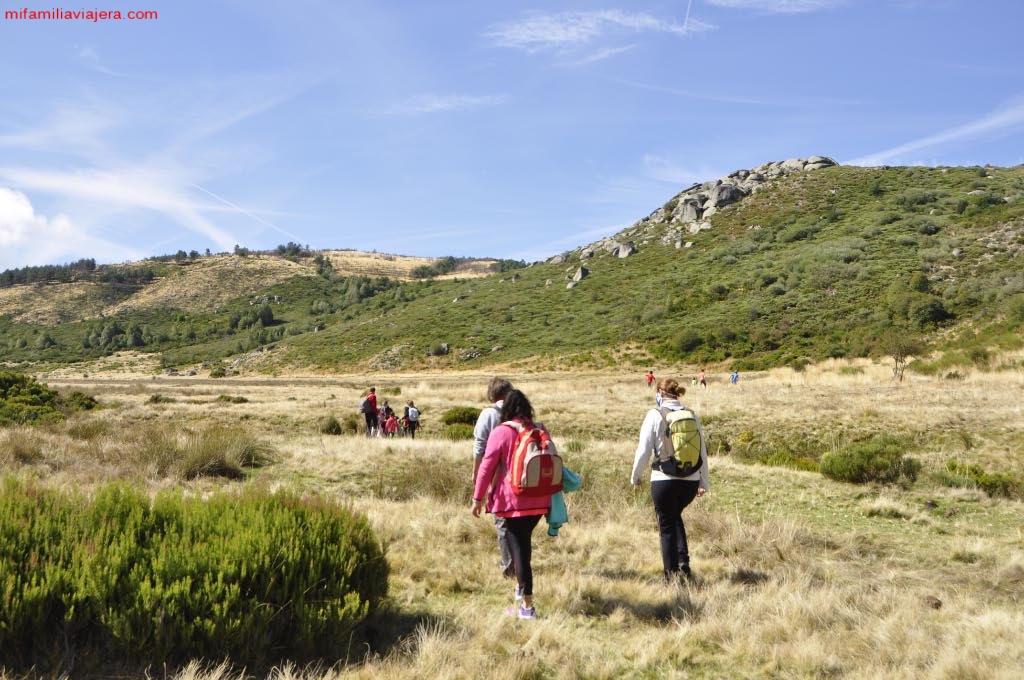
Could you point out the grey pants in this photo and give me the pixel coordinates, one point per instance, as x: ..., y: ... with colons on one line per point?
x: 503, y: 545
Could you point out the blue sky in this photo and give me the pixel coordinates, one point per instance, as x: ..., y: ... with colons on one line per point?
x: 468, y: 128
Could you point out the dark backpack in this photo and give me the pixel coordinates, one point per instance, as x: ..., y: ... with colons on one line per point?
x: 364, y: 405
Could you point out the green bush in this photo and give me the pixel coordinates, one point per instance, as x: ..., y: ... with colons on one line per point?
x: 465, y: 415
x: 879, y: 459
x: 24, y: 400
x: 329, y: 425
x: 992, y: 483
x: 353, y: 423
x: 457, y: 431
x: 255, y: 579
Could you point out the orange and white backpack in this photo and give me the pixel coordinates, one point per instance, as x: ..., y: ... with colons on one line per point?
x: 536, y: 466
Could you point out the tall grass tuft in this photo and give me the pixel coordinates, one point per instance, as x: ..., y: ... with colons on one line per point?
x: 213, y: 450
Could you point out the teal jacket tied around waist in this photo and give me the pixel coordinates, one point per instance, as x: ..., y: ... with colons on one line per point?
x: 559, y: 514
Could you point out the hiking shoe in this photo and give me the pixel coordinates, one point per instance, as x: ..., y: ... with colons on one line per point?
x: 522, y: 612
x: 518, y: 594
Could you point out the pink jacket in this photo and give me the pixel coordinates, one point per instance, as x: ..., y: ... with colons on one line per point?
x: 496, y: 462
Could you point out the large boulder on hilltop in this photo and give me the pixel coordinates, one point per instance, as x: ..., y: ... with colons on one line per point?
x: 819, y: 162
x: 688, y: 210
x: 793, y: 165
x: 724, y: 194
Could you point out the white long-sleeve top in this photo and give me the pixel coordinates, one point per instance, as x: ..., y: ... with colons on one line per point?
x: 653, y: 441
x: 488, y: 419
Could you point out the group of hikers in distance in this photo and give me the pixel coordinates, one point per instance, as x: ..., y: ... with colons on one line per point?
x: 382, y: 421
x: 519, y: 477
x: 700, y: 379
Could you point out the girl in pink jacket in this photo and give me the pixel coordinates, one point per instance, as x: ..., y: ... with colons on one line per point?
x: 521, y: 513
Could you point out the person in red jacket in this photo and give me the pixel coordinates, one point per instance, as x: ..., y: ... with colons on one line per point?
x: 521, y: 513
x: 369, y: 409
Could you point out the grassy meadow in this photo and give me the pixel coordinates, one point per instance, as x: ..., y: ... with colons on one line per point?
x: 798, y: 576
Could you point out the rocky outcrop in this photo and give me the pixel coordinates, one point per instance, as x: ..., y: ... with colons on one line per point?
x: 700, y: 201
x: 688, y: 212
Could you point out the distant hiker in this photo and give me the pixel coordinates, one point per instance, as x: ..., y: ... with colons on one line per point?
x: 650, y: 378
x: 734, y: 377
x: 670, y: 493
x: 521, y: 512
x: 391, y: 425
x: 368, y: 407
x: 489, y: 418
x: 703, y: 378
x: 412, y: 419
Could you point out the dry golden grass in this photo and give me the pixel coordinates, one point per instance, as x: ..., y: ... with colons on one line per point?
x: 358, y: 263
x: 799, y: 576
x: 205, y: 284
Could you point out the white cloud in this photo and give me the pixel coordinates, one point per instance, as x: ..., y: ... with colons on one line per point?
x: 779, y: 6
x: 442, y: 103
x: 539, y: 32
x: 70, y: 129
x: 27, y: 238
x: 600, y: 55
x: 990, y: 126
x: 134, y: 188
x: 91, y: 58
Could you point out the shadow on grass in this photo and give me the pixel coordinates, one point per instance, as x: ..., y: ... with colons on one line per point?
x: 676, y: 605
x: 387, y: 630
x: 748, y: 577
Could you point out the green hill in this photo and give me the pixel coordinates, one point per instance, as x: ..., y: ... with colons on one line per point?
x: 834, y: 262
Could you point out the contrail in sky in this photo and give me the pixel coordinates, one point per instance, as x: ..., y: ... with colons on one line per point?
x: 246, y: 212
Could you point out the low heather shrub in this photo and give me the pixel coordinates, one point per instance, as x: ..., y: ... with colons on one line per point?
x: 465, y: 415
x: 879, y: 459
x: 256, y: 579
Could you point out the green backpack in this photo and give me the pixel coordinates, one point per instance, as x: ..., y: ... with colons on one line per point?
x: 682, y: 433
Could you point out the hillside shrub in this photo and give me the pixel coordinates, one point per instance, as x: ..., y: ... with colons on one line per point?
x: 255, y: 578
x: 962, y: 475
x: 457, y: 431
x: 466, y: 415
x: 879, y: 459
x: 795, y: 450
x: 25, y: 400
x: 329, y: 425
x: 353, y: 423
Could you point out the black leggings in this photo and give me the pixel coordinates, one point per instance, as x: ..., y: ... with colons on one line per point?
x: 670, y: 497
x: 520, y: 531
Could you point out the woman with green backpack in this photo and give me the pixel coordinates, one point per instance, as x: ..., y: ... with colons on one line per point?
x: 672, y: 444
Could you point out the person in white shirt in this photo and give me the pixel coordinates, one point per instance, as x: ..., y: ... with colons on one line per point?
x: 670, y: 494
